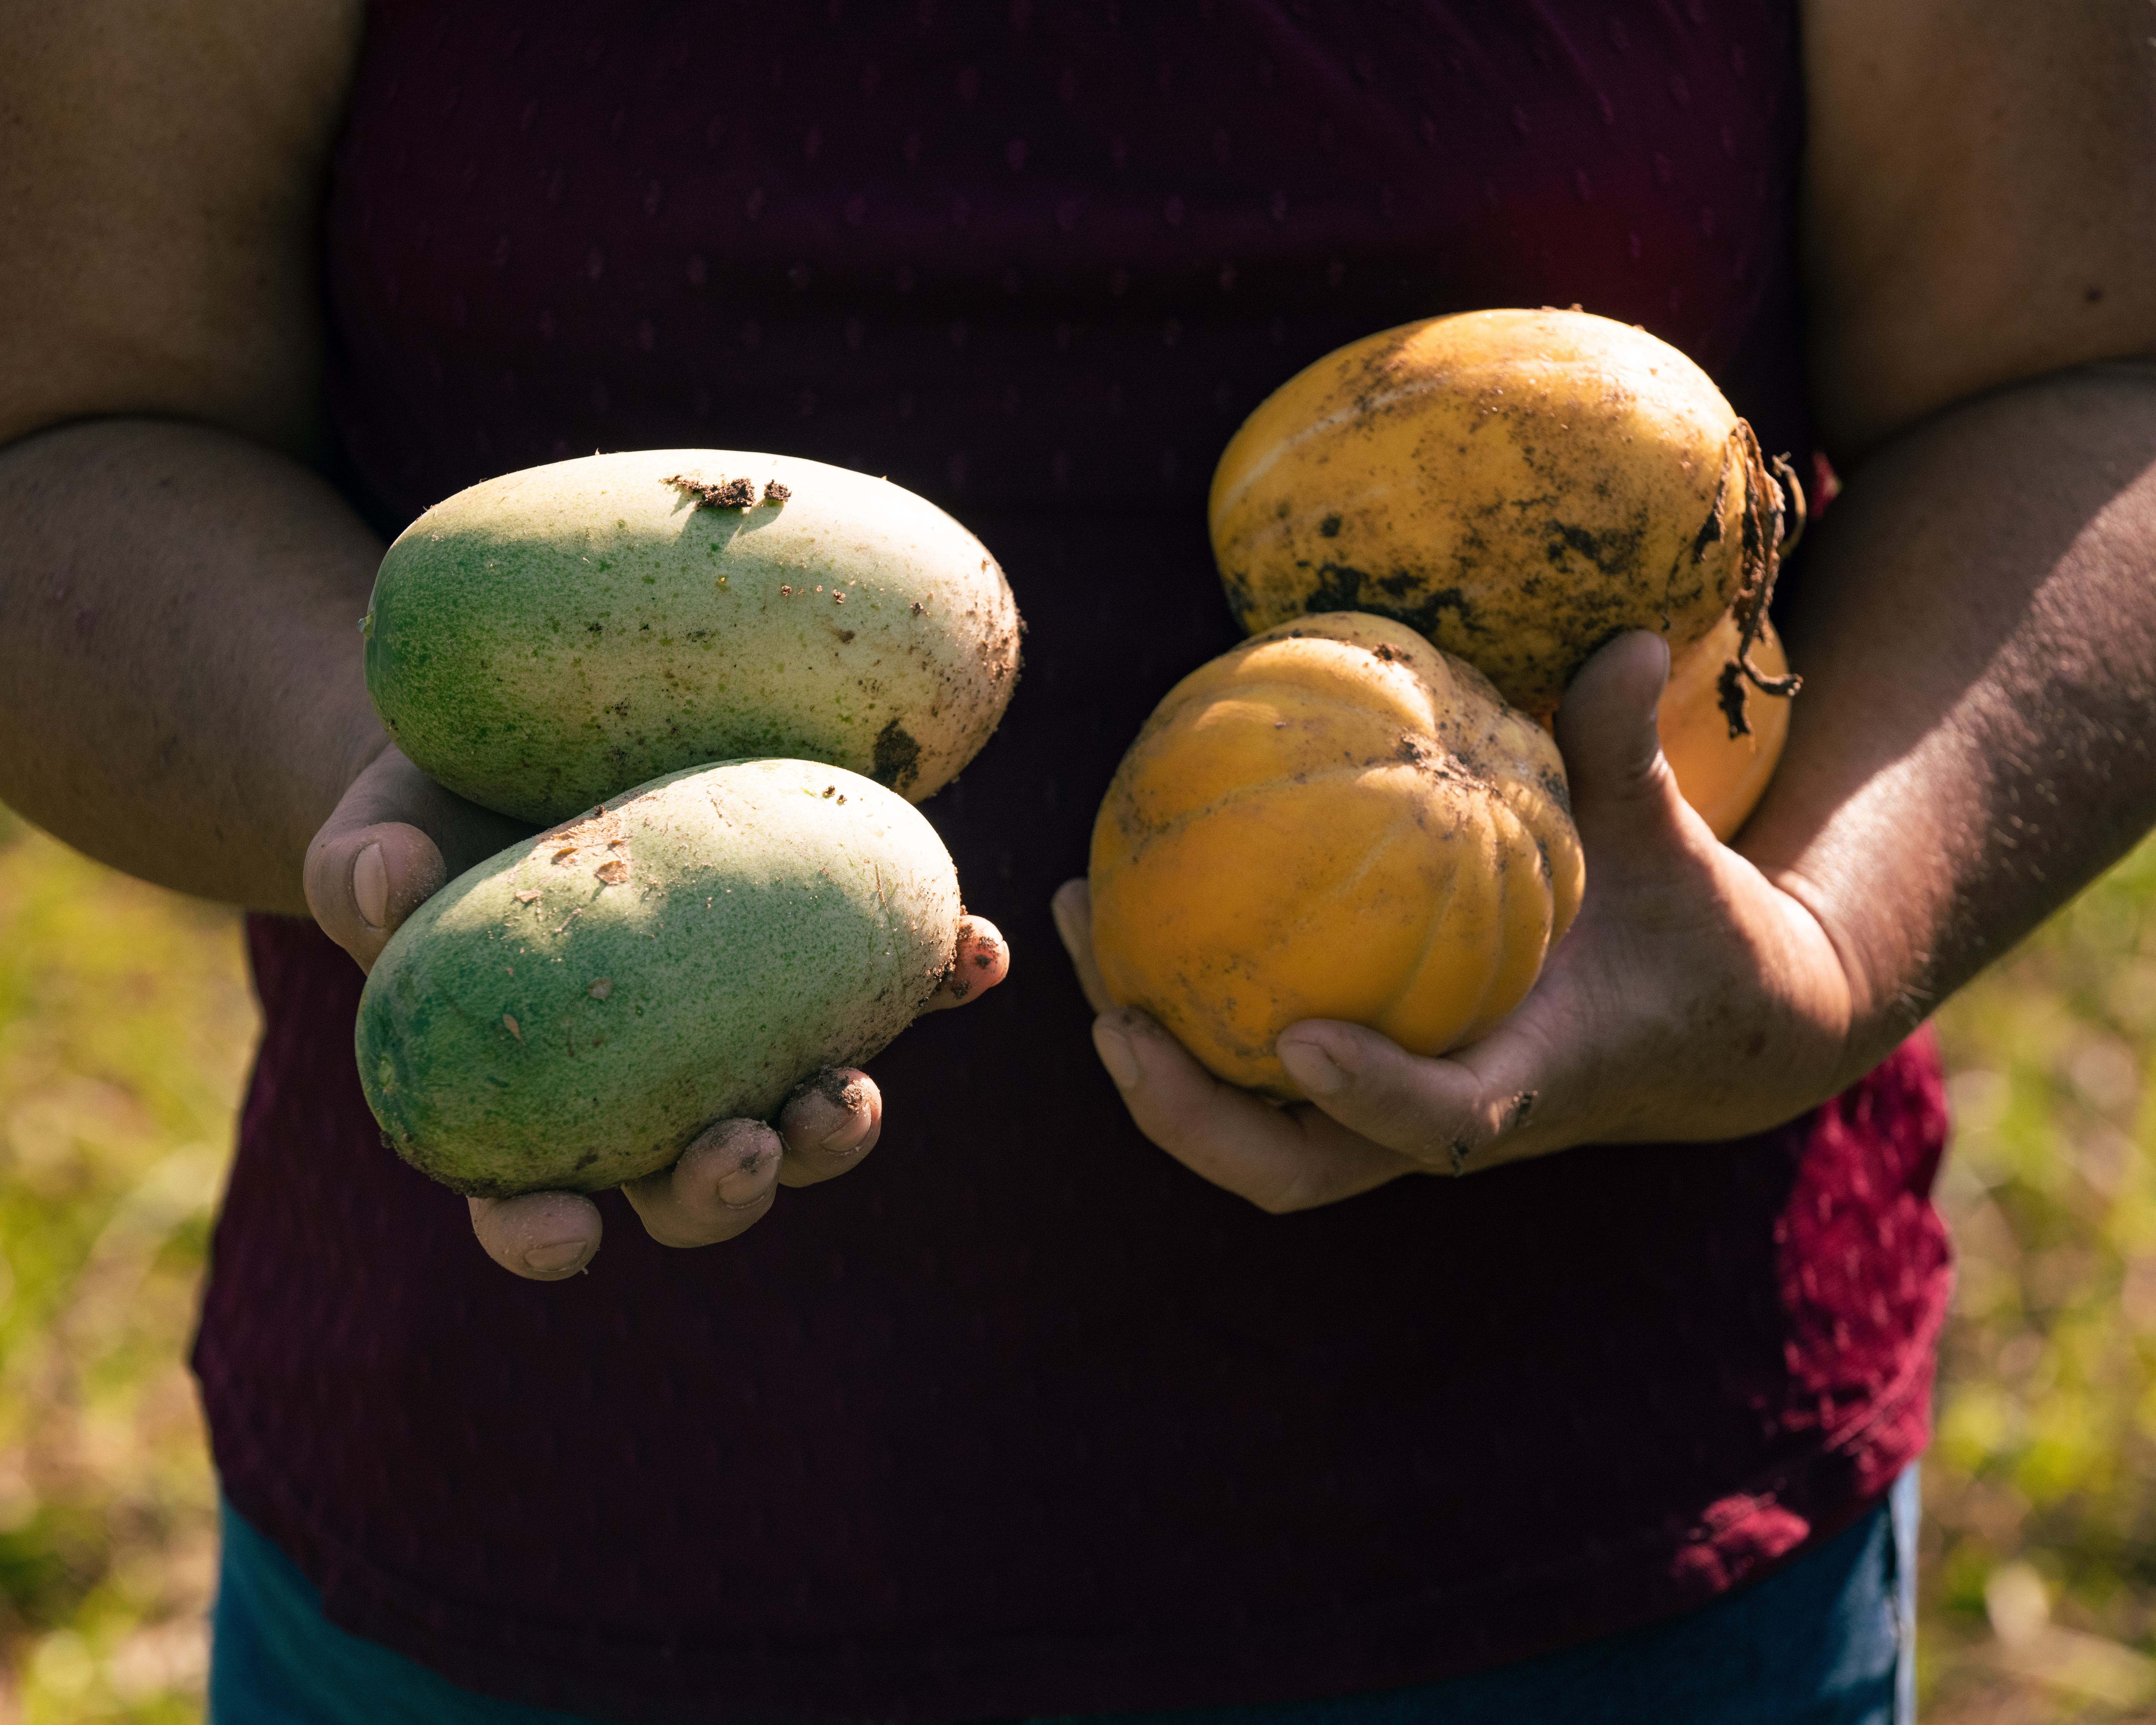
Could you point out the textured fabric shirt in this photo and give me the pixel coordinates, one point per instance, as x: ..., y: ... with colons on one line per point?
x: 1023, y: 1417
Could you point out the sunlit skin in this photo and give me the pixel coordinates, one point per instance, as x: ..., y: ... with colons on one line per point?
x: 396, y: 837
x: 1664, y: 899
x: 1334, y: 785
x: 1976, y: 625
x: 1952, y: 775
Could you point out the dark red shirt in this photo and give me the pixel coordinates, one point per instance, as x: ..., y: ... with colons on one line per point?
x: 1023, y: 1417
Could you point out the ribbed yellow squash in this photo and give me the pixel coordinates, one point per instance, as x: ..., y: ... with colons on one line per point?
x: 1516, y: 486
x: 1333, y: 820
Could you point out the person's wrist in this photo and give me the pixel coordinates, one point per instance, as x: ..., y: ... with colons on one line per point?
x: 1874, y: 1009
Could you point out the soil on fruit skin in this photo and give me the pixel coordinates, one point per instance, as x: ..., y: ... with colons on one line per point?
x: 897, y: 757
x: 1339, y: 587
x: 841, y: 1090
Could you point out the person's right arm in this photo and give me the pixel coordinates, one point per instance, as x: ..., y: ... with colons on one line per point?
x: 178, y: 589
x: 181, y: 684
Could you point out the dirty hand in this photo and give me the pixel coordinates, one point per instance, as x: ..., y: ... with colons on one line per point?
x: 396, y: 838
x: 1693, y: 999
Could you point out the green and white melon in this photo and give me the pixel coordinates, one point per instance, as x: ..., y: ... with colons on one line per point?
x: 572, y: 1012
x: 538, y: 642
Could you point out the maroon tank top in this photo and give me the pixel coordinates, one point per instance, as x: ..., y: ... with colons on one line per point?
x: 1022, y: 1417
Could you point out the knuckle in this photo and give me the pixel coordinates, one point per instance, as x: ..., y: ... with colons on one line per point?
x: 1463, y: 1145
x: 1441, y: 1144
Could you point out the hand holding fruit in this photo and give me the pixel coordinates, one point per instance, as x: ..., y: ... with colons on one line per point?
x: 1694, y: 998
x: 653, y: 651
x: 397, y: 838
x: 1381, y: 846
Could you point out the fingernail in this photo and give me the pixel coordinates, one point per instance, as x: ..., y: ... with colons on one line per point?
x: 844, y: 1137
x: 370, y: 885
x: 1116, y: 1055
x: 556, y: 1257
x: 1314, y: 1071
x: 746, y: 1184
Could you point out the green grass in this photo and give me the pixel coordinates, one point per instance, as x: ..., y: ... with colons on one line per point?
x: 2046, y: 1448
x: 126, y: 1027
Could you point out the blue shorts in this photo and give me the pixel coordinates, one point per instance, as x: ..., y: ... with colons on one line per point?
x: 1828, y: 1641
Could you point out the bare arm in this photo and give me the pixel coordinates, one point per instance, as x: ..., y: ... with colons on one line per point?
x: 177, y: 589
x: 181, y: 680
x: 180, y: 683
x: 1978, y: 617
x: 1977, y: 625
x: 1979, y: 629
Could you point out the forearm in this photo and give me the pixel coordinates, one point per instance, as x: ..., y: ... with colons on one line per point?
x: 180, y: 670
x: 1977, y: 627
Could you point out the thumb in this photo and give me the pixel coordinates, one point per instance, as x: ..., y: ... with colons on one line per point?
x: 1606, y: 729
x: 362, y: 881
x: 394, y: 839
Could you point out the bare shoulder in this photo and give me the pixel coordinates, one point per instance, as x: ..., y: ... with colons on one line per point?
x: 160, y: 172
x: 1979, y: 199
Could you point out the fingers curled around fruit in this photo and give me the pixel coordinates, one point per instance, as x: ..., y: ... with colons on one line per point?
x: 829, y: 1125
x: 980, y: 960
x: 722, y: 1186
x: 1691, y: 998
x: 736, y: 892
x: 542, y: 1236
x: 1280, y: 1159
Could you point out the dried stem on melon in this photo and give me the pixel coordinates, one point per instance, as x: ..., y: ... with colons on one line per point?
x: 1769, y: 532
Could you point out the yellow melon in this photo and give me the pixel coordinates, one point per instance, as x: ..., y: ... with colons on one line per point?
x: 1722, y: 775
x: 1518, y: 486
x: 1333, y: 820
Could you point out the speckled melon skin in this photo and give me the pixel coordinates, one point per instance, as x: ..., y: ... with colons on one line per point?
x: 542, y: 640
x: 1517, y: 486
x: 572, y: 1011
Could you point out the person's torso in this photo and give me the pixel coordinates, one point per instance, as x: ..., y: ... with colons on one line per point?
x: 1022, y: 1416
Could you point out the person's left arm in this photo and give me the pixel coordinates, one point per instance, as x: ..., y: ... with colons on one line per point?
x: 1977, y: 630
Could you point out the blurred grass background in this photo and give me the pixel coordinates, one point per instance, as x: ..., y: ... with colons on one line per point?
x: 127, y: 1026
x: 125, y: 1029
